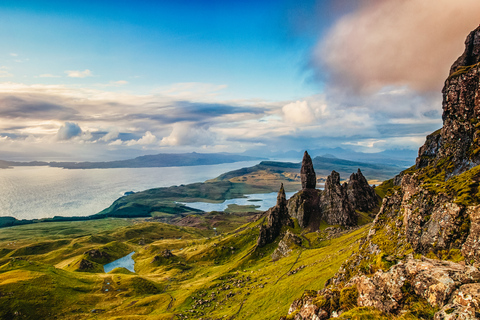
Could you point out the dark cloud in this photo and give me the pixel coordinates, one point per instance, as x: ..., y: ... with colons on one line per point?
x: 68, y: 131
x: 16, y: 107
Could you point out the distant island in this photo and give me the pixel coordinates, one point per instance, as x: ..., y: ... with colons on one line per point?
x: 148, y: 161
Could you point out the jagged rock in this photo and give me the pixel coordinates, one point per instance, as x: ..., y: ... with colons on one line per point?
x: 360, y: 193
x: 277, y: 217
x: 464, y: 304
x: 307, y: 173
x: 434, y: 280
x: 335, y: 204
x: 471, y: 55
x: 305, y: 207
x: 471, y: 247
x: 458, y: 140
x: 285, y: 245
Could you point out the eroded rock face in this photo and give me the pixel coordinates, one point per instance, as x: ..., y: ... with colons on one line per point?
x: 464, y: 304
x: 85, y: 265
x: 458, y: 140
x: 277, y: 217
x: 305, y: 207
x: 97, y: 254
x: 307, y: 173
x: 335, y: 202
x: 360, y: 193
x: 434, y: 280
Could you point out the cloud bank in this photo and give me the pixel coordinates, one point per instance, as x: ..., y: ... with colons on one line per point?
x: 396, y: 43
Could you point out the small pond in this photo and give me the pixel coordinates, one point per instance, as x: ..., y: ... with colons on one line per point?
x: 125, y: 262
x: 262, y: 202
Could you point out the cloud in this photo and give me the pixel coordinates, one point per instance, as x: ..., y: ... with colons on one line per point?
x: 79, y: 74
x: 396, y: 43
x: 68, y: 131
x: 110, y: 135
x: 48, y: 75
x: 4, y: 73
x: 298, y: 112
x: 147, y: 139
x: 187, y: 134
x: 14, y: 54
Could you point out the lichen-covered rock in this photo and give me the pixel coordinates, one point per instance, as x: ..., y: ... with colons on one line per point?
x: 277, y: 217
x: 471, y: 247
x: 464, y: 304
x: 307, y: 173
x: 433, y: 280
x: 85, y: 265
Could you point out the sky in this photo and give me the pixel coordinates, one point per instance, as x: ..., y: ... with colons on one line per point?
x: 103, y: 80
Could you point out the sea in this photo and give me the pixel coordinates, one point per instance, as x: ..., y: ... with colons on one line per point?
x: 44, y: 192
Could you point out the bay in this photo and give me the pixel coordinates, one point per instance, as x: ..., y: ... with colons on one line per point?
x: 44, y: 192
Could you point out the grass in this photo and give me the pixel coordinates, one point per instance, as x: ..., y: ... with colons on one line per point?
x: 40, y: 282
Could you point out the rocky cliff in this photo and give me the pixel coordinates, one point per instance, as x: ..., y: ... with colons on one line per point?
x: 422, y: 253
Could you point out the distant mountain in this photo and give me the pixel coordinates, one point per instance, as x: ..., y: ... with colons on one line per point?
x: 398, y: 157
x: 158, y: 160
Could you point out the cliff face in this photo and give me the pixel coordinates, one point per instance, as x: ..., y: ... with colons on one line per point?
x: 423, y: 248
x: 458, y: 140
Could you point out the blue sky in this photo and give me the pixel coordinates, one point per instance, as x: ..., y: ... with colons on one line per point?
x: 92, y: 80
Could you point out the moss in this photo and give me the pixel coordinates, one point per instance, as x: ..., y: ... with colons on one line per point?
x: 348, y: 298
x: 462, y: 70
x: 383, y: 188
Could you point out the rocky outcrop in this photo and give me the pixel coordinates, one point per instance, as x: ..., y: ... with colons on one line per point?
x: 335, y: 203
x: 360, y: 194
x: 464, y: 304
x: 277, y: 217
x: 305, y: 207
x: 458, y: 140
x: 433, y: 280
x: 286, y: 245
x: 444, y: 285
x: 307, y: 173
x: 97, y: 254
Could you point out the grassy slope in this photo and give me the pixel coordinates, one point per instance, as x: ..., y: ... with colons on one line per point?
x: 44, y: 285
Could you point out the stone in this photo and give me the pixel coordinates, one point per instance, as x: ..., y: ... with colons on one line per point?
x: 277, y: 217
x: 85, y: 265
x: 464, y: 304
x: 434, y: 280
x: 335, y: 204
x: 360, y: 193
x: 307, y: 173
x: 285, y: 245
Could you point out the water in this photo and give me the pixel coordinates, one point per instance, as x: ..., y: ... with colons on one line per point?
x: 262, y: 201
x: 125, y: 262
x: 44, y: 192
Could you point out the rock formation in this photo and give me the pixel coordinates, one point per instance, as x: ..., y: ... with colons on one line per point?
x: 458, y: 140
x: 286, y: 245
x: 307, y: 174
x: 277, y: 217
x: 360, y: 193
x: 335, y: 204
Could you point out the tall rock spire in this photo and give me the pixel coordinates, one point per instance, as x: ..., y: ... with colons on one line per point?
x: 307, y: 173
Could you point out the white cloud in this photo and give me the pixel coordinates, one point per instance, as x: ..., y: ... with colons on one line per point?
x: 4, y: 73
x: 14, y: 54
x: 48, y: 75
x: 187, y: 134
x: 147, y: 139
x: 120, y: 82
x: 79, y: 74
x: 110, y: 135
x: 298, y: 112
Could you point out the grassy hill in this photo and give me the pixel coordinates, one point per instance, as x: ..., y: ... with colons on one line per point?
x: 208, y: 276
